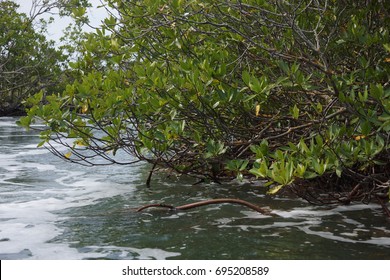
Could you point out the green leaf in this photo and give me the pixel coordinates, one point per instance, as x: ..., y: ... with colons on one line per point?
x: 261, y: 171
x: 269, y: 183
x: 340, y: 41
x: 214, y: 149
x: 41, y: 143
x: 246, y: 77
x: 182, y: 126
x: 310, y: 175
x: 216, y: 104
x: 366, y: 128
x: 284, y: 66
x: 79, y: 12
x: 302, y: 145
x: 300, y: 171
x: 387, y: 47
x: 275, y: 189
x: 255, y: 85
x: 244, y: 164
x: 295, y: 112
x: 376, y: 91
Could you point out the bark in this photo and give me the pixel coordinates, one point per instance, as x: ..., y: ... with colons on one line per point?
x: 261, y: 210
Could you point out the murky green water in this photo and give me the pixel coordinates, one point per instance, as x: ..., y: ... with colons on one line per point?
x: 50, y: 209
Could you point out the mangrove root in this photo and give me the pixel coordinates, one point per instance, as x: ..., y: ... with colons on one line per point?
x: 208, y: 202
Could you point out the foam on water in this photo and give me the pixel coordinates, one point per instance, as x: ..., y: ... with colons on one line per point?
x: 45, y: 203
x: 32, y: 224
x: 29, y: 211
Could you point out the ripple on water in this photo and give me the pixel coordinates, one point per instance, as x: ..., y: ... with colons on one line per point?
x: 35, y: 187
x: 50, y: 209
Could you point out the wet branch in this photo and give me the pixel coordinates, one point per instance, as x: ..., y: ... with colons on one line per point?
x: 209, y: 202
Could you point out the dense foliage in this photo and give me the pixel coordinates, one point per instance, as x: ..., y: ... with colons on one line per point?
x: 28, y: 61
x: 292, y: 92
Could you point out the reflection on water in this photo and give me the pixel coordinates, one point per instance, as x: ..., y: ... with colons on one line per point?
x: 50, y: 209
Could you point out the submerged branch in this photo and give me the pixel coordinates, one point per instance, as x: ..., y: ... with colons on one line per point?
x: 208, y: 202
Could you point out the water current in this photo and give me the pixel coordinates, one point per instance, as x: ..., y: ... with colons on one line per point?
x: 52, y: 209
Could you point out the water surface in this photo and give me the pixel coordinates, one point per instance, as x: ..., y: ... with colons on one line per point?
x: 51, y: 209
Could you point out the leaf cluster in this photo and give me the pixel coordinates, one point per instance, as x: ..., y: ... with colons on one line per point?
x: 29, y: 62
x: 283, y: 91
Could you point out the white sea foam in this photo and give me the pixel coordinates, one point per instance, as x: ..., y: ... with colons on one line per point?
x: 34, y: 187
x: 130, y: 253
x: 31, y: 224
x: 305, y: 212
x: 37, y: 190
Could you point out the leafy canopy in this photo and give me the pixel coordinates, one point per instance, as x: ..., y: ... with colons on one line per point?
x: 287, y: 91
x: 28, y: 61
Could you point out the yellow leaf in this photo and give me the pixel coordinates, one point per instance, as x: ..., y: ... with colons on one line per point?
x: 114, y: 44
x: 257, y: 110
x: 67, y: 155
x: 80, y: 143
x: 84, y: 108
x: 359, y: 137
x: 275, y: 189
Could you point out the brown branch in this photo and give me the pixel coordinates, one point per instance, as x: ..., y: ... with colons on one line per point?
x: 208, y: 202
x: 150, y: 174
x: 384, y: 207
x: 155, y: 205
